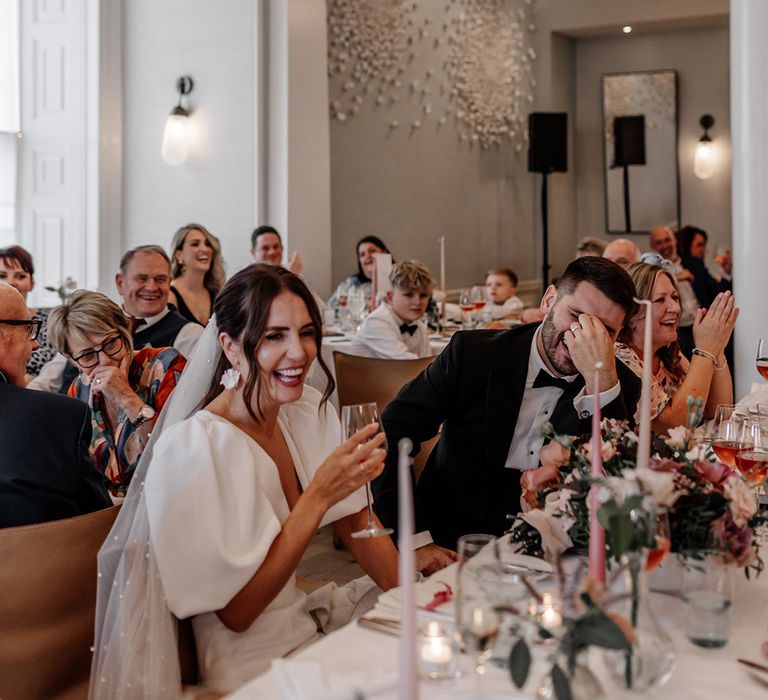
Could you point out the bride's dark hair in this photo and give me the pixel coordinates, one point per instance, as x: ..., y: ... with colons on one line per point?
x: 242, y: 310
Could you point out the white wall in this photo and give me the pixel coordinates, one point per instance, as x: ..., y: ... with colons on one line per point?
x: 700, y: 57
x: 217, y: 186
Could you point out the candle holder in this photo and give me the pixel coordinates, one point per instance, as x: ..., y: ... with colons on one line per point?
x: 548, y: 612
x: 437, y: 651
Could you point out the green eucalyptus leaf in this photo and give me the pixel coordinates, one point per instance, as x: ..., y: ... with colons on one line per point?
x: 520, y: 663
x: 561, y: 683
x: 601, y: 631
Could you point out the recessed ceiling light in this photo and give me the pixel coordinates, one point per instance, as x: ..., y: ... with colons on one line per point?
x: 626, y: 29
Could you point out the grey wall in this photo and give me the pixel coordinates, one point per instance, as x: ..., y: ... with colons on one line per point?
x: 701, y: 58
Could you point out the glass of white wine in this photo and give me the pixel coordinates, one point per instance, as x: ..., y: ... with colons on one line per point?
x: 354, y: 418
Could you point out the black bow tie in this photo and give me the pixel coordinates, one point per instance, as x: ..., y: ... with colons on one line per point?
x: 546, y: 379
x: 410, y: 330
x: 139, y: 322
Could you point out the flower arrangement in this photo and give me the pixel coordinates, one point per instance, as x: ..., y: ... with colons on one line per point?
x: 709, y: 505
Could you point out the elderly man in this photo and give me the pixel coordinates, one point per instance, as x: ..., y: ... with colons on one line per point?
x: 622, y: 251
x: 488, y: 393
x: 46, y: 471
x: 144, y: 283
x: 662, y: 240
x: 267, y: 247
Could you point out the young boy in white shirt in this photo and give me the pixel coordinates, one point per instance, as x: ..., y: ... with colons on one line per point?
x: 501, y: 286
x: 394, y: 329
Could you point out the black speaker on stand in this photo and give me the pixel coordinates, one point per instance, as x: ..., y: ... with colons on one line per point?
x: 628, y: 149
x: 547, y: 153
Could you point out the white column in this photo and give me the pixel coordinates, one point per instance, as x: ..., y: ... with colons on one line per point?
x: 298, y: 150
x: 749, y: 117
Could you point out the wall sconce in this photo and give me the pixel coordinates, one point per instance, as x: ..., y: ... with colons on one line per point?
x: 175, y: 148
x: 704, y: 162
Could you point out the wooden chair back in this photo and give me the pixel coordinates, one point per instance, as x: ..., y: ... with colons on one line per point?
x: 364, y: 379
x: 48, y: 604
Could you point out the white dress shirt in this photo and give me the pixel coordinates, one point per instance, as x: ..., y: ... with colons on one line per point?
x: 513, y: 305
x: 380, y: 336
x: 536, y: 408
x: 186, y: 339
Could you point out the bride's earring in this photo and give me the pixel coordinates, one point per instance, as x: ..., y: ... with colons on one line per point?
x: 230, y: 379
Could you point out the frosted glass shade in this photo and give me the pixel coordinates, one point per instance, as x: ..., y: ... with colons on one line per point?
x: 175, y: 148
x: 705, y: 161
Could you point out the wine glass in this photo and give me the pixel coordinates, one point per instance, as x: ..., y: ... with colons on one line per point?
x: 752, y: 462
x: 762, y: 357
x: 356, y: 303
x: 478, y: 297
x: 354, y: 418
x: 342, y: 291
x: 726, y: 434
x: 467, y: 306
x: 663, y: 537
x: 477, y: 620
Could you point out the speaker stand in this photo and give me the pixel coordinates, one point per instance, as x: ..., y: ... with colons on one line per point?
x: 627, y: 215
x: 545, y: 232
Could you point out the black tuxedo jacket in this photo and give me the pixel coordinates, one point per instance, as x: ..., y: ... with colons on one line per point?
x: 474, y: 389
x: 46, y: 471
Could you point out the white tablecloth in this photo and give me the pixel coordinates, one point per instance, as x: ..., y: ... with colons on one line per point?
x: 367, y: 660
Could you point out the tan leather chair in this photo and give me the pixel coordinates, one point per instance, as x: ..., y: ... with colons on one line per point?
x: 364, y: 379
x: 47, y: 605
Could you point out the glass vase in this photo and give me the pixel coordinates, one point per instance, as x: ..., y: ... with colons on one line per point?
x: 650, y: 660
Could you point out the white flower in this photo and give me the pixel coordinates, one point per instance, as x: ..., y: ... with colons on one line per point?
x: 742, y: 501
x: 553, y: 531
x: 660, y: 486
x: 631, y: 436
x: 696, y: 453
x: 556, y: 502
x: 678, y: 437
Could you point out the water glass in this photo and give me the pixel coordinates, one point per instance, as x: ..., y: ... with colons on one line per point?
x: 707, y: 588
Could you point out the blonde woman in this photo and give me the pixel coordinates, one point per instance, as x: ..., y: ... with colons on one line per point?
x: 125, y: 389
x: 197, y: 272
x: 673, y: 378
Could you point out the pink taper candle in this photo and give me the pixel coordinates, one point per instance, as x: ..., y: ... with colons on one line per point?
x: 408, y: 687
x: 596, y: 532
x: 442, y: 276
x: 644, y: 445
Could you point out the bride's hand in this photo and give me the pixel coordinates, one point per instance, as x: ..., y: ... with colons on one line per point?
x: 350, y: 466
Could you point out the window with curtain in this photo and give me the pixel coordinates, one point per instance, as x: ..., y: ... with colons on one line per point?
x: 9, y: 118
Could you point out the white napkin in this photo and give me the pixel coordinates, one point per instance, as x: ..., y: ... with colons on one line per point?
x: 757, y: 395
x: 307, y: 680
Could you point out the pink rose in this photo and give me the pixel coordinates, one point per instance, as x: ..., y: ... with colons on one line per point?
x: 554, y: 454
x: 533, y: 481
x: 664, y: 465
x: 735, y: 541
x: 743, y: 504
x: 714, y: 472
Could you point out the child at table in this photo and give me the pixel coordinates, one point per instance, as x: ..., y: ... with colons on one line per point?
x: 394, y: 330
x: 501, y: 286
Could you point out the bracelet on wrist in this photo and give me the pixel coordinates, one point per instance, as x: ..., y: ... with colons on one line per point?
x: 710, y: 357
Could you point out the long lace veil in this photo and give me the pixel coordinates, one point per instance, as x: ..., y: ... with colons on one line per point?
x: 135, y: 648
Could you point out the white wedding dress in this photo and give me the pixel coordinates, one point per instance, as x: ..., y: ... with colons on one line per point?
x: 215, y: 506
x: 202, y: 511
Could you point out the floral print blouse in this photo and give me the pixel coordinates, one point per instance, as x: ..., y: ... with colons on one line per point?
x: 663, y: 384
x: 153, y: 375
x: 45, y: 352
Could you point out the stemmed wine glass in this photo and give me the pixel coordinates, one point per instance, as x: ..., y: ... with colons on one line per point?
x: 354, y: 418
x: 752, y: 462
x: 478, y: 297
x: 762, y: 357
x: 727, y: 434
x: 467, y: 306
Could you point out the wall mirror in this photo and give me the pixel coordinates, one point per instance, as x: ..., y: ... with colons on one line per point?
x: 642, y: 187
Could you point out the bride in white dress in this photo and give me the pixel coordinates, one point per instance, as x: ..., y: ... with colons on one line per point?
x: 235, y: 493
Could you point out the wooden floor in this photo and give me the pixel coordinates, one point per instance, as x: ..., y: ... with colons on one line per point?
x: 322, y: 563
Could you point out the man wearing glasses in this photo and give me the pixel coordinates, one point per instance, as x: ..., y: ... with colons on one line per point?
x: 46, y: 471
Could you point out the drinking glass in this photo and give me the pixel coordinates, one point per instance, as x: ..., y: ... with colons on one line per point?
x: 708, y: 590
x: 478, y: 297
x: 354, y: 418
x: 342, y: 291
x: 753, y: 462
x: 663, y: 538
x: 477, y: 620
x: 356, y: 303
x: 762, y: 357
x: 727, y: 434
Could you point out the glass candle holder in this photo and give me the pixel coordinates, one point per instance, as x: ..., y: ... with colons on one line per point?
x: 438, y: 656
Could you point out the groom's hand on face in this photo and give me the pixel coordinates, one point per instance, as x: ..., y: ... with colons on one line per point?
x: 589, y: 343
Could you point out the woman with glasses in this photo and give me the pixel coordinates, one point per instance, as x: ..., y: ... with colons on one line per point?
x: 18, y: 270
x: 125, y: 389
x: 673, y: 377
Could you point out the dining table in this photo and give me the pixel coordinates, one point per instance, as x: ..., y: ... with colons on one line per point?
x: 360, y: 663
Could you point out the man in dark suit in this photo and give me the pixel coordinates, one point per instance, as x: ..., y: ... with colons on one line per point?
x: 46, y: 471
x: 491, y: 391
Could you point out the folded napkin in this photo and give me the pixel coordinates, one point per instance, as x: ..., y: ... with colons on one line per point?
x: 309, y: 680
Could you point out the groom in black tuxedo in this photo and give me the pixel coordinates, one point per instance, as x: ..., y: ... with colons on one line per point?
x: 46, y: 471
x: 491, y: 391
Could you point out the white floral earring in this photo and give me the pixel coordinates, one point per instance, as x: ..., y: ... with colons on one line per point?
x: 230, y: 379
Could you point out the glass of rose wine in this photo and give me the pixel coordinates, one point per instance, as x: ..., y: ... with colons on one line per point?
x: 663, y: 537
x: 478, y: 297
x: 753, y: 462
x: 467, y: 306
x: 762, y: 357
x: 727, y: 436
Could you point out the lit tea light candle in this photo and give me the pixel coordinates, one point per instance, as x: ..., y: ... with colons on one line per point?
x: 436, y: 652
x: 546, y: 611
